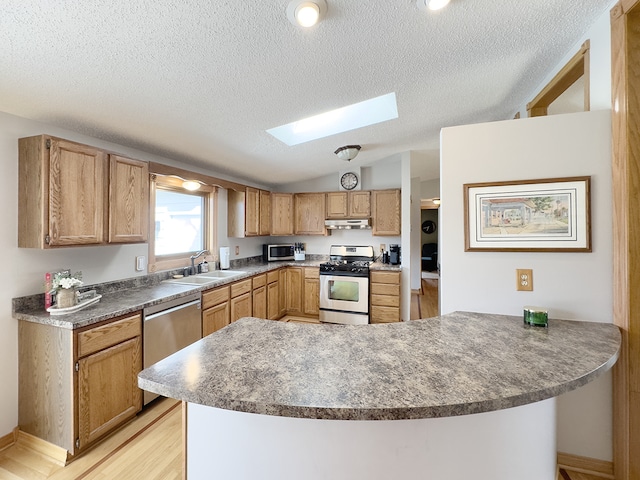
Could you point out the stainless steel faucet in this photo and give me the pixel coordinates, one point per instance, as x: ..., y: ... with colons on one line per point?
x: 193, y: 259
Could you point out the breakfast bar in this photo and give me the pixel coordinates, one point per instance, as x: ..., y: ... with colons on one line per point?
x: 463, y: 395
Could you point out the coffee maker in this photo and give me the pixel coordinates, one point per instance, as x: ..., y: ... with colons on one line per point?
x: 394, y: 254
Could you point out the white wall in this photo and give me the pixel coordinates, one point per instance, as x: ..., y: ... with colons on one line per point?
x: 571, y: 285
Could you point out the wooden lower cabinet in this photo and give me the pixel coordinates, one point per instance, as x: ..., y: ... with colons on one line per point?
x: 311, y: 291
x: 108, y: 393
x: 273, y: 295
x: 293, y: 289
x: 385, y: 297
x: 241, y: 306
x: 259, y: 301
x: 215, y: 309
x: 76, y: 386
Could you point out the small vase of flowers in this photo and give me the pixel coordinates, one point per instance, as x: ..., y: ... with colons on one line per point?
x: 65, y: 284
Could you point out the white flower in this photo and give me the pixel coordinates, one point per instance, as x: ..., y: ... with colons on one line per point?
x: 70, y: 282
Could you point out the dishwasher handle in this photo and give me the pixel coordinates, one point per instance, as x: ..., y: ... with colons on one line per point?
x: 171, y: 310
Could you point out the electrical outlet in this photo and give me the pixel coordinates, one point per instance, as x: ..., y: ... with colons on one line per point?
x: 237, y: 250
x: 524, y: 279
x: 382, y: 247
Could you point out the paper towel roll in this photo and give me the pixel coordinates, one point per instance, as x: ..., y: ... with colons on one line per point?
x: 224, y: 258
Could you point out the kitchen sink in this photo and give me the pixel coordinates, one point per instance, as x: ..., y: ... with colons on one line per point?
x: 206, y: 278
x: 220, y: 274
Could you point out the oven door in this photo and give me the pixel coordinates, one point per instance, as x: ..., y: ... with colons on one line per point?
x: 344, y: 299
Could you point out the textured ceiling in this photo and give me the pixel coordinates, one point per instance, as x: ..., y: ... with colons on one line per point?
x: 200, y: 81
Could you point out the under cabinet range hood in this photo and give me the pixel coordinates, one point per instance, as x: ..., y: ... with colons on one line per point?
x: 355, y: 224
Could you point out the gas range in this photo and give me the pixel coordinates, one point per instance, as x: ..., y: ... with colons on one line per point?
x: 344, y: 285
x: 336, y: 267
x: 348, y: 260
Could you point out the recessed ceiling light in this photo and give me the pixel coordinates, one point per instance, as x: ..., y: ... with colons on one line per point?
x: 306, y: 14
x: 432, y: 4
x: 362, y: 114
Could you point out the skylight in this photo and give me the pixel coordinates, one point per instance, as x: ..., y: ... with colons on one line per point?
x: 362, y: 114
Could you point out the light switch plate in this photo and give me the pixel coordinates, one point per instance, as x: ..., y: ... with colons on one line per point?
x: 140, y: 263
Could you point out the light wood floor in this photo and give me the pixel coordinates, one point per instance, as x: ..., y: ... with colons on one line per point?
x: 149, y: 448
x: 424, y: 304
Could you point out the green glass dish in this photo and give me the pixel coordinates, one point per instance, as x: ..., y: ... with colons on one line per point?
x: 536, y: 316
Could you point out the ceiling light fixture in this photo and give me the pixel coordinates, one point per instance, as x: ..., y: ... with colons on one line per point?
x: 432, y: 4
x: 306, y: 14
x: 348, y: 152
x: 191, y: 185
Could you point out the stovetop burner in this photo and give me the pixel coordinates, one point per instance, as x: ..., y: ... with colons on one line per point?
x: 348, y: 260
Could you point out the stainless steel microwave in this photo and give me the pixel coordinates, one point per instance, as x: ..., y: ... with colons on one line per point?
x: 283, y: 251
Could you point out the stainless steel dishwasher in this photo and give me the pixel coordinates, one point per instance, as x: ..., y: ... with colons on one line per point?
x: 169, y: 327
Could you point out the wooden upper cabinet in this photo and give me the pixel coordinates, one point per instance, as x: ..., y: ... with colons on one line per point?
x: 360, y: 204
x: 72, y: 194
x: 249, y: 212
x: 62, y: 193
x: 386, y: 212
x: 252, y: 212
x: 281, y: 213
x: 337, y: 205
x: 349, y: 204
x: 309, y: 214
x: 264, y: 227
x: 128, y: 200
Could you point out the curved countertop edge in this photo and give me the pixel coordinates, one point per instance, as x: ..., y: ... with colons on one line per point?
x: 146, y: 382
x: 131, y: 300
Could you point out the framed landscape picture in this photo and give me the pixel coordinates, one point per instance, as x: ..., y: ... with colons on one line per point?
x: 547, y: 215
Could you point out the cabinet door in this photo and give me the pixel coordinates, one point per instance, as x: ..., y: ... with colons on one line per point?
x: 77, y: 194
x: 215, y: 318
x: 283, y: 292
x: 260, y: 302
x: 281, y: 214
x: 108, y: 393
x: 252, y: 212
x: 293, y: 286
x: 265, y: 213
x: 273, y: 300
x: 337, y: 205
x: 311, y: 296
x: 128, y: 200
x: 359, y: 204
x: 309, y: 214
x: 386, y: 212
x: 241, y: 307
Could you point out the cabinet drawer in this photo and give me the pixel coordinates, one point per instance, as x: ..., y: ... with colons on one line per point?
x: 259, y: 281
x: 385, y: 289
x: 109, y: 334
x: 273, y: 276
x: 385, y: 277
x: 312, y: 272
x: 385, y: 314
x: 240, y: 288
x: 385, y: 300
x: 214, y: 297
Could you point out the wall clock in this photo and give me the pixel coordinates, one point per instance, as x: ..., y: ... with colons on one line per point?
x: 428, y: 226
x: 349, y: 181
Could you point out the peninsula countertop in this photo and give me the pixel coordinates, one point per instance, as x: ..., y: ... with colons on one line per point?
x: 457, y: 364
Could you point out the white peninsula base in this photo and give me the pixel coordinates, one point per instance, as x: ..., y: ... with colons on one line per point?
x: 517, y: 443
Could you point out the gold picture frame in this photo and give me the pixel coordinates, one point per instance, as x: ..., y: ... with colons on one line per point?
x: 544, y: 215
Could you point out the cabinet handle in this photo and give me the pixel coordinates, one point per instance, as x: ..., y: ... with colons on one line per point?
x: 77, y: 366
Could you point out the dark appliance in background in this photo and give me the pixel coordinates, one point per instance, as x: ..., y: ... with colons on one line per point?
x: 283, y: 251
x: 344, y: 285
x: 394, y: 254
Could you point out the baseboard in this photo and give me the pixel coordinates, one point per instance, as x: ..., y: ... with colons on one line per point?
x: 56, y: 454
x: 590, y: 466
x: 9, y: 439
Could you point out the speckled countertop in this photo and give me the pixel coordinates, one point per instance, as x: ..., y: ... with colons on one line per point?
x: 123, y: 298
x: 457, y: 364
